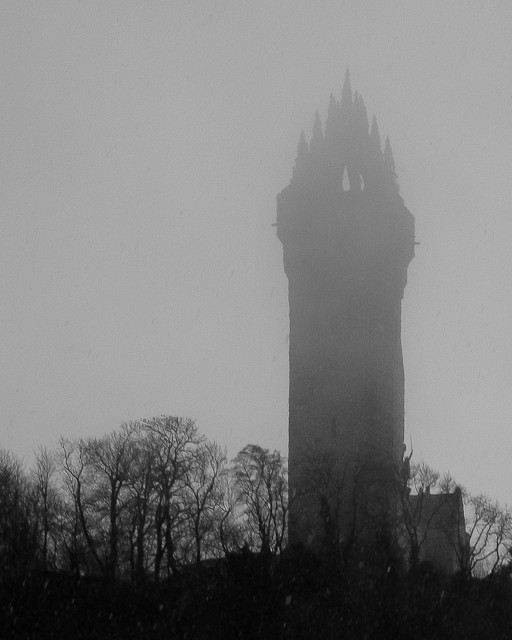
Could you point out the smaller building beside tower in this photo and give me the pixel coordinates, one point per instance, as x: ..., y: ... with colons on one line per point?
x: 441, y: 530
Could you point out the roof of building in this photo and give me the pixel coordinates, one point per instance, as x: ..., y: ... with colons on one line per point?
x: 438, y: 510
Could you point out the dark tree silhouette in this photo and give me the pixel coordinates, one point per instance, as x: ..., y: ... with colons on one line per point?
x: 260, y: 483
x: 18, y: 521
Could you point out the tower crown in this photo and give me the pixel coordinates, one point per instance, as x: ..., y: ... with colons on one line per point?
x: 344, y: 189
x: 346, y: 143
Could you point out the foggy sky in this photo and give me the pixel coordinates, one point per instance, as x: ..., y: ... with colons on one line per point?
x: 142, y: 148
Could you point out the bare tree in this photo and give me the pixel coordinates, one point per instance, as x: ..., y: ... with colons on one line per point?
x: 43, y: 474
x: 202, y: 481
x: 109, y: 458
x: 173, y: 441
x: 230, y: 532
x: 446, y: 483
x: 141, y: 501
x: 18, y: 526
x: 487, y: 536
x: 423, y: 478
x: 260, y: 481
x: 73, y: 460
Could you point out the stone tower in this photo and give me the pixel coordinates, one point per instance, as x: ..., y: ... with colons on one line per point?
x: 347, y: 241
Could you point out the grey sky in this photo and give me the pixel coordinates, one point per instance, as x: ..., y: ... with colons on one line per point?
x: 142, y: 148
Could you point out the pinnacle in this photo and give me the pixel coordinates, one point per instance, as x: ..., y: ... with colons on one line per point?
x: 318, y: 135
x: 346, y: 93
x: 302, y: 147
x: 389, y: 164
x: 374, y: 135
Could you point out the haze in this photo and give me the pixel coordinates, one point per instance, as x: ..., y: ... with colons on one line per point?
x: 142, y: 149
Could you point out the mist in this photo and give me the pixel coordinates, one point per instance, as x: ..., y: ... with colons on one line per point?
x: 143, y: 148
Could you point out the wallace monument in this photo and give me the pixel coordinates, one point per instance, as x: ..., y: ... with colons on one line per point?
x: 347, y: 242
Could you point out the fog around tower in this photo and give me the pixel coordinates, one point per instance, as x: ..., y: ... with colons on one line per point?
x: 143, y: 147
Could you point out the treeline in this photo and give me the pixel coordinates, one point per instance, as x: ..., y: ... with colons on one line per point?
x: 155, y: 495
x: 139, y: 503
x: 150, y: 532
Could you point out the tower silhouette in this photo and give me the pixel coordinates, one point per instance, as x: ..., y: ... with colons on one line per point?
x: 347, y: 241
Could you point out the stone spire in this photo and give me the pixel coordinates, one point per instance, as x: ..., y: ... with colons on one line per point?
x: 346, y: 97
x: 318, y: 136
x: 389, y: 166
x: 375, y: 145
x: 302, y: 155
x: 332, y: 124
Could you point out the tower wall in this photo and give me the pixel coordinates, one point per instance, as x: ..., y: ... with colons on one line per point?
x: 346, y: 253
